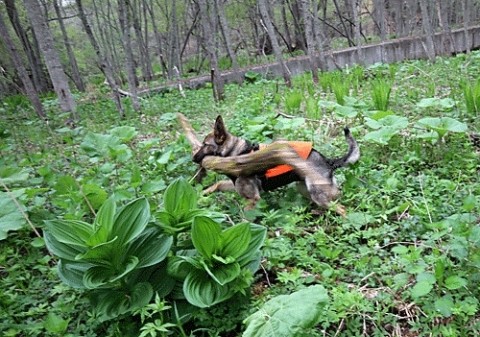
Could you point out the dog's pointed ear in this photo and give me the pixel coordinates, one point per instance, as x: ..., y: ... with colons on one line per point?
x: 219, y: 130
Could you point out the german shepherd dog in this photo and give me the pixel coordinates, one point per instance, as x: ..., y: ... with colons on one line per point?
x: 223, y: 144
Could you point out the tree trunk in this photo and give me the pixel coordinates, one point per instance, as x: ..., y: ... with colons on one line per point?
x: 267, y: 22
x: 77, y: 78
x: 209, y: 32
x: 466, y: 21
x: 20, y: 68
x: 299, y: 29
x: 34, y: 59
x: 355, y: 5
x: 305, y: 7
x: 173, y: 38
x: 52, y: 59
x: 125, y: 25
x: 428, y: 30
x: 102, y: 61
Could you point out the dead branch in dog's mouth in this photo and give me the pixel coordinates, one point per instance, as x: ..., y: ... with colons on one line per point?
x: 277, y: 153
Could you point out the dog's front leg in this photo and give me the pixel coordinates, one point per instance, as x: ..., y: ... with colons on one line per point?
x: 221, y: 186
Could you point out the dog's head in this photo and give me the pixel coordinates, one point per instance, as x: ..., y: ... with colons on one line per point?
x: 213, y: 143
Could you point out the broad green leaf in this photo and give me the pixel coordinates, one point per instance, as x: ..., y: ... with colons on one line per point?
x: 202, y: 291
x: 71, y: 273
x: 455, y: 282
x: 421, y: 288
x: 442, y: 125
x: 73, y: 232
x: 445, y: 104
x: 95, y: 194
x: 235, y: 240
x: 62, y: 250
x: 223, y: 273
x: 55, y: 324
x: 345, y: 111
x: 426, y: 277
x: 11, y: 218
x: 125, y: 133
x: 131, y: 221
x: 13, y: 175
x: 99, y: 145
x: 444, y: 305
x: 66, y: 185
x: 206, y: 236
x: 150, y: 248
x: 380, y: 136
x: 179, y: 198
x: 288, y: 315
x: 103, y: 223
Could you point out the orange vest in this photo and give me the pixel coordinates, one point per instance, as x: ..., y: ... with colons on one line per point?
x: 303, y: 149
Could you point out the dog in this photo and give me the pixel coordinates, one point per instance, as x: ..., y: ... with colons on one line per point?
x: 222, y: 143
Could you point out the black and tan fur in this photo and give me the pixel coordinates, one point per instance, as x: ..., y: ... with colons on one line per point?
x: 223, y: 144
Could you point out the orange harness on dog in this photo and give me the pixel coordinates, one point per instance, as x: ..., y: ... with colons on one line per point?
x: 303, y: 149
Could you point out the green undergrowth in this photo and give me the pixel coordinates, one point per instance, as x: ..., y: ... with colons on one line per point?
x: 405, y: 261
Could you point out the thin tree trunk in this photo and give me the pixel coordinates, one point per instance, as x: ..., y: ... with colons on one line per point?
x: 448, y: 42
x: 141, y: 43
x: 21, y: 70
x: 305, y: 7
x: 52, y: 59
x: 262, y: 7
x: 124, y: 19
x: 77, y: 78
x: 226, y: 37
x: 39, y: 77
x: 174, y: 53
x: 158, y: 39
x: 102, y: 61
x: 428, y: 30
x: 355, y: 5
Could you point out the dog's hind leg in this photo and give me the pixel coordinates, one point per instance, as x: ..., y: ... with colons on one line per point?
x: 248, y: 187
x: 323, y: 195
x: 221, y: 186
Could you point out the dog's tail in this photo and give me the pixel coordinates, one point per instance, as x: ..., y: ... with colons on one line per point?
x: 351, y: 156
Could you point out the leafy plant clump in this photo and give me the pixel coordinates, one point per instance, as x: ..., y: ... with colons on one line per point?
x: 122, y: 260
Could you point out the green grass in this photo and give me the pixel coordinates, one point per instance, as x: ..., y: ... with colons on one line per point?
x: 406, y: 258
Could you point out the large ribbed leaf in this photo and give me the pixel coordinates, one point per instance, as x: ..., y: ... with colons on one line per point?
x: 103, y: 223
x: 150, y: 248
x: 223, y: 273
x: 235, y: 240
x: 61, y: 250
x: 202, y: 291
x: 100, y: 275
x: 110, y: 303
x: 131, y: 221
x: 71, y: 273
x: 179, y: 198
x: 73, y: 232
x: 205, y: 235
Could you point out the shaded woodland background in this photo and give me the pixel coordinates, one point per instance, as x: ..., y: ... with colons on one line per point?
x: 68, y: 46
